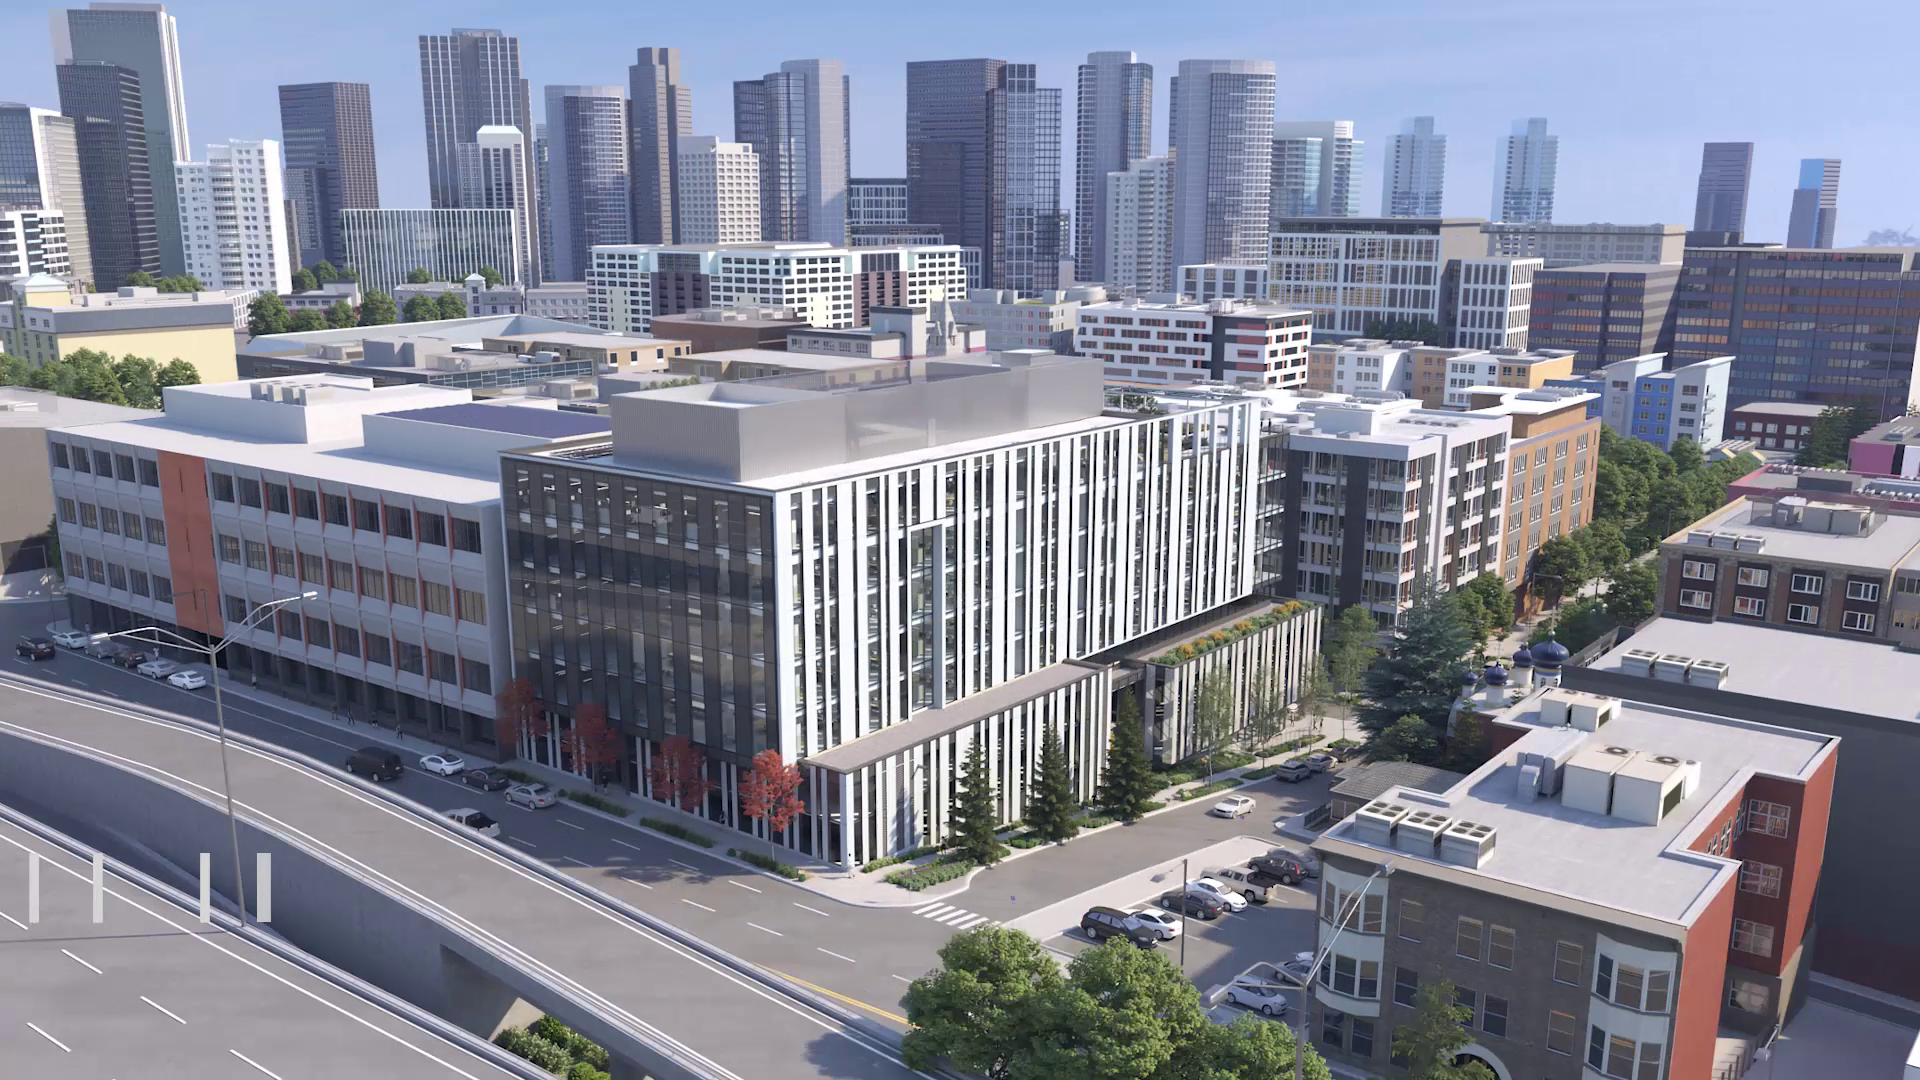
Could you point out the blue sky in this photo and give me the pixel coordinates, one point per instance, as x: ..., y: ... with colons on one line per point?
x: 1631, y: 87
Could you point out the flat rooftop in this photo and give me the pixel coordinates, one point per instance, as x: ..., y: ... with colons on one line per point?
x: 1548, y: 847
x: 591, y: 340
x: 1787, y: 665
x: 1616, y: 268
x: 467, y: 331
x: 1783, y: 408
x: 1889, y: 544
x: 795, y: 361
x: 933, y: 723
x: 509, y: 419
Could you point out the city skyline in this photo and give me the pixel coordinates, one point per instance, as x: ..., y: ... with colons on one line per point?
x: 229, y: 76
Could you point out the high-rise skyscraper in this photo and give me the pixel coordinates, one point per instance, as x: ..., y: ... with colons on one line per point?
x: 1334, y: 189
x: 1140, y: 228
x: 143, y: 39
x: 796, y: 121
x: 1726, y: 174
x: 469, y: 80
x: 326, y: 132
x: 587, y: 186
x: 1296, y: 179
x: 659, y: 115
x: 948, y: 171
x: 543, y: 192
x: 1816, y: 201
x: 40, y: 170
x: 1524, y: 164
x: 1023, y: 145
x: 228, y: 247
x: 493, y: 176
x: 1416, y: 171
x: 1220, y: 135
x: 110, y: 130
x: 1116, y: 130
x: 719, y: 191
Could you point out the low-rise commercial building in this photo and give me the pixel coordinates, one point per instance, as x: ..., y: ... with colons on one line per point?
x: 44, y: 322
x: 480, y: 353
x: 1518, y: 369
x: 1169, y: 341
x: 1359, y: 365
x: 1646, y: 402
x: 737, y: 326
x: 1604, y: 311
x: 382, y: 501
x: 1572, y: 245
x: 324, y: 297
x: 1042, y: 321
x: 1774, y: 425
x: 902, y: 333
x: 26, y: 492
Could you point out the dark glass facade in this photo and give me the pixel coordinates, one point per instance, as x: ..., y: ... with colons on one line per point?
x: 948, y: 160
x: 1604, y: 313
x: 328, y: 128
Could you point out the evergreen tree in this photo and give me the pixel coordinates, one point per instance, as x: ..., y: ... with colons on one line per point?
x: 1466, y: 743
x: 377, y: 309
x: 491, y: 275
x: 304, y: 281
x: 974, y: 817
x: 1409, y: 738
x: 1421, y: 675
x: 1686, y: 456
x: 1050, y: 802
x: 418, y: 276
x: 324, y: 273
x: 1430, y: 1042
x: 1833, y: 430
x: 1127, y: 786
x: 306, y: 320
x: 267, y: 315
x: 452, y: 305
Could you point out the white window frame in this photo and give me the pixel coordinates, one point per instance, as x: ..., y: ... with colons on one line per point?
x: 1698, y: 570
x: 1753, y: 937
x: 1805, y: 614
x: 1768, y: 818
x: 1760, y: 879
x: 1857, y: 620
x: 1696, y: 598
x: 1752, y: 576
x: 1808, y: 584
x: 1863, y: 590
x: 1750, y: 605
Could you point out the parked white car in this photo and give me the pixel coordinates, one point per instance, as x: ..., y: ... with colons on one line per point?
x: 475, y: 820
x: 535, y: 796
x: 1210, y: 887
x: 158, y: 668
x: 1164, y: 923
x: 71, y: 639
x: 1233, y: 806
x: 187, y: 679
x: 1269, y: 1000
x: 444, y: 764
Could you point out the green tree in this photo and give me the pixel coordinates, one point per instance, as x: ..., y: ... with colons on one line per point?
x: 1671, y: 506
x: 94, y: 381
x: 1420, y: 675
x: 1316, y: 692
x: 1213, y: 717
x: 421, y: 309
x: 1634, y: 594
x: 139, y: 380
x: 304, y: 281
x: 182, y: 283
x: 1561, y: 567
x: 972, y: 1009
x: 1432, y: 1039
x: 306, y: 320
x: 1350, y: 642
x: 1686, y: 456
x: 340, y: 315
x: 418, y: 276
x: 1424, y: 331
x: 491, y: 275
x: 1619, y: 493
x: 1247, y: 1048
x: 177, y: 372
x: 1577, y: 625
x: 14, y: 371
x: 1604, y: 546
x: 1267, y: 710
x: 140, y: 279
x: 1050, y: 803
x: 347, y: 273
x: 1409, y: 738
x: 267, y: 315
x: 1486, y: 606
x: 1127, y: 785
x: 974, y: 815
x: 324, y: 273
x: 377, y: 309
x: 452, y: 305
x: 1833, y: 433
x: 1466, y: 743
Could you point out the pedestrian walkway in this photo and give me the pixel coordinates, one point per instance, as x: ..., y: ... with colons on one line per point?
x: 956, y: 917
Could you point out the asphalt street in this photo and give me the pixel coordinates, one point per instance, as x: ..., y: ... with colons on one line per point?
x: 151, y: 991
x: 865, y: 957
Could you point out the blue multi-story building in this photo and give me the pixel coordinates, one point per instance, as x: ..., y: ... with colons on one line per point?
x: 1642, y: 400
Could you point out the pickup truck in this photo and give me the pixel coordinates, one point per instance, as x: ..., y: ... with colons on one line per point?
x: 1248, y: 882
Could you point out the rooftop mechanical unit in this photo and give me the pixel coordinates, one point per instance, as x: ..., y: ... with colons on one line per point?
x: 1420, y: 831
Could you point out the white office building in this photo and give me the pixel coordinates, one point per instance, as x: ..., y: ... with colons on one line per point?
x: 1220, y: 137
x: 1043, y: 321
x: 493, y: 176
x: 1352, y: 272
x: 1579, y: 245
x: 385, y: 245
x: 384, y: 501
x: 719, y: 191
x: 34, y: 242
x: 876, y: 201
x: 1217, y: 281
x: 1362, y: 366
x: 1640, y: 400
x: 1140, y: 209
x: 233, y: 217
x: 1326, y: 187
x: 1492, y: 301
x: 1524, y: 166
x: 1416, y: 171
x: 1168, y: 340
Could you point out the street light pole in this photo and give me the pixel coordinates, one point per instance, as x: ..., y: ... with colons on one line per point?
x: 1183, y: 914
x: 212, y: 653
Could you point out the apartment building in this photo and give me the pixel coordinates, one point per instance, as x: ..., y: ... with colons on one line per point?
x: 1220, y: 281
x: 740, y: 608
x: 233, y: 228
x: 34, y: 242
x: 1604, y: 311
x: 747, y: 326
x: 1518, y: 369
x: 1619, y: 885
x: 1351, y: 272
x: 1774, y: 425
x: 827, y: 285
x: 1361, y: 365
x: 719, y: 191
x: 1572, y: 245
x: 1167, y: 340
x: 1043, y: 321
x: 1491, y: 300
x: 1552, y: 464
x: 1643, y: 401
x: 44, y: 321
x: 1798, y: 562
x: 383, y: 501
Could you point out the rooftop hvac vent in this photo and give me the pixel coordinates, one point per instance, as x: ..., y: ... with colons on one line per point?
x: 1466, y: 843
x: 1374, y: 822
x: 1617, y: 751
x: 1749, y: 542
x: 1708, y: 673
x: 1639, y: 661
x: 1666, y: 759
x: 1671, y: 667
x: 1420, y: 831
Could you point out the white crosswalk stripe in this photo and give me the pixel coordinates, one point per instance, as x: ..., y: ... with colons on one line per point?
x: 956, y: 917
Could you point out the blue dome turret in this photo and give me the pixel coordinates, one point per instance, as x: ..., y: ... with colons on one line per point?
x: 1469, y: 679
x: 1496, y: 675
x: 1550, y: 654
x: 1522, y: 657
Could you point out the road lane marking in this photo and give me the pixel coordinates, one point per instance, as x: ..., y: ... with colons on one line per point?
x: 689, y: 866
x: 742, y: 884
x: 929, y: 907
x: 815, y: 910
x: 81, y: 682
x: 634, y: 881
x: 696, y: 903
x: 954, y: 918
x: 904, y: 979
x: 14, y: 921
x: 571, y: 825
x: 576, y: 862
x: 624, y: 844
x: 255, y: 1064
x: 82, y: 963
x: 934, y: 911
x: 970, y: 923
x: 837, y: 956
x: 855, y: 1002
x: 527, y: 843
x: 757, y: 926
x: 161, y: 1007
x: 38, y: 1030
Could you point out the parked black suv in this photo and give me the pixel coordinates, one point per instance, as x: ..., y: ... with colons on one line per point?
x: 1192, y: 905
x: 1102, y: 923
x: 376, y: 763
x: 1288, y: 868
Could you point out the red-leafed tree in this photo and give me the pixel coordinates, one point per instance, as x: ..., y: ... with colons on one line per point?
x: 518, y: 713
x: 770, y: 792
x: 597, y: 743
x: 679, y: 774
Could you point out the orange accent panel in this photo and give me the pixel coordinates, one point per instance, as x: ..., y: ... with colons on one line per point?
x: 190, y: 543
x: 1703, y: 978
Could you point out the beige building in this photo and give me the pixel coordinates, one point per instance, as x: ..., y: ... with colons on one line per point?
x: 44, y: 322
x: 627, y: 353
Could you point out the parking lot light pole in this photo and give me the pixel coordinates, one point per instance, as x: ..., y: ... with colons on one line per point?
x: 1183, y: 914
x: 212, y: 653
